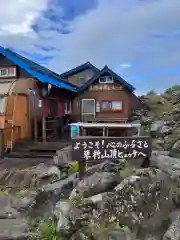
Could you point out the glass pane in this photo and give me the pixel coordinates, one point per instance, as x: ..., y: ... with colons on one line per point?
x: 116, y: 105
x: 107, y: 105
x: 88, y: 106
x: 3, y: 72
x: 67, y: 106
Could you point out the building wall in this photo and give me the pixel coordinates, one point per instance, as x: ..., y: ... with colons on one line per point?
x: 20, y: 110
x: 137, y: 104
x: 59, y: 97
x: 81, y: 77
x: 21, y: 106
x: 5, y: 61
x: 116, y: 95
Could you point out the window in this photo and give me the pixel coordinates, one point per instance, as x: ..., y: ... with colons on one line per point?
x: 106, y: 79
x: 67, y: 107
x: 111, y: 106
x: 7, y: 72
x: 2, y: 104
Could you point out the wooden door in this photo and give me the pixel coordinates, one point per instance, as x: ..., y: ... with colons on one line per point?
x: 88, y: 110
x: 21, y: 115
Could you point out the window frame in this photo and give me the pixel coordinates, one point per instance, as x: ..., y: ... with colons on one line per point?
x: 82, y: 105
x: 66, y: 111
x: 105, y: 81
x: 111, y: 110
x: 7, y: 68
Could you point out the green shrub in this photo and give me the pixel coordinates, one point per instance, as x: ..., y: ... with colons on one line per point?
x: 46, y: 230
x: 74, y: 168
x: 151, y: 92
x: 172, y: 89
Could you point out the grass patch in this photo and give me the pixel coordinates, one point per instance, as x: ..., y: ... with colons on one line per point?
x: 159, y: 109
x: 46, y: 230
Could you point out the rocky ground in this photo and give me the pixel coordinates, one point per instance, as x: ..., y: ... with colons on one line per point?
x: 116, y: 200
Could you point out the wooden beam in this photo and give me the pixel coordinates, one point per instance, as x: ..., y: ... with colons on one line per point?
x: 35, y: 129
x: 44, y: 129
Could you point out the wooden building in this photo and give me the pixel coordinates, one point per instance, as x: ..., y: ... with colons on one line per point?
x: 103, y: 96
x: 29, y: 92
x: 36, y: 102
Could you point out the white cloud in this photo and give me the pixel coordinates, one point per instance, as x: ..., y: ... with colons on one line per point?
x: 114, y: 33
x: 17, y: 16
x: 111, y: 35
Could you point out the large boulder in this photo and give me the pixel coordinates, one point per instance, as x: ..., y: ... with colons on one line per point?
x: 173, y: 232
x: 97, y: 183
x: 13, y: 229
x: 141, y: 201
x: 168, y: 164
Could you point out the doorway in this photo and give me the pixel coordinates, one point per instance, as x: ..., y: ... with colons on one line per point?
x: 88, y: 108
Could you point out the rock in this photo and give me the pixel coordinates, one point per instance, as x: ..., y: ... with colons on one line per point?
x: 165, y: 130
x: 173, y: 232
x: 30, y: 177
x: 82, y: 234
x: 20, y: 178
x: 63, y: 224
x: 176, y: 147
x: 97, y: 183
x: 59, y: 186
x: 13, y: 229
x: 141, y: 201
x: 168, y: 164
x: 102, y: 233
x: 6, y: 210
x: 174, y: 214
x: 146, y: 120
x: 156, y: 126
x: 49, y: 195
x: 63, y: 207
x: 24, y: 200
x: 97, y: 198
x: 44, y: 171
x: 64, y: 157
x: 106, y: 166
x: 158, y: 144
x: 165, y: 153
x: 152, y: 237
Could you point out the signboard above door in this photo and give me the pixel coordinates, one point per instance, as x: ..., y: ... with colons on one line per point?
x: 105, y: 87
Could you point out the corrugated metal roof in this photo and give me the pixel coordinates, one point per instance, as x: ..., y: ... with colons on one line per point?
x: 42, y: 77
x: 5, y: 87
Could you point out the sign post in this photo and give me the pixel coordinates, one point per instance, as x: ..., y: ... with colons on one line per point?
x: 98, y: 149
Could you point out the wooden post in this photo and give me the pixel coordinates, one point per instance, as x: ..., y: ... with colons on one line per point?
x: 35, y: 129
x: 84, y: 132
x: 82, y: 169
x: 44, y: 129
x: 2, y: 149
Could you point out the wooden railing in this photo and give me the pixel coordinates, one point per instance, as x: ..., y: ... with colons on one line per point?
x: 49, y: 129
x: 8, y: 136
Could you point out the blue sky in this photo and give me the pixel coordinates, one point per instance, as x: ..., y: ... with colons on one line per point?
x: 139, y: 39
